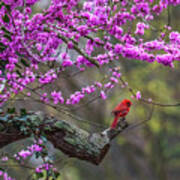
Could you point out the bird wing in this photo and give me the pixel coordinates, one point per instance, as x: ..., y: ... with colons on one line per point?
x: 119, y: 107
x: 121, y: 110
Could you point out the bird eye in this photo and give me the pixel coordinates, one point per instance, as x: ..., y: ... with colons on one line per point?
x: 116, y: 113
x: 128, y: 104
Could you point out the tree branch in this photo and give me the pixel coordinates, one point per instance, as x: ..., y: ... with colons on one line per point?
x: 65, y: 136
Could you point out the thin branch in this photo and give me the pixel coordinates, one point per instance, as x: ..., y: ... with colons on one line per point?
x: 146, y: 100
x: 75, y: 47
x: 61, y: 109
x: 66, y: 111
x: 23, y: 35
x: 16, y: 165
x: 135, y: 125
x: 169, y: 16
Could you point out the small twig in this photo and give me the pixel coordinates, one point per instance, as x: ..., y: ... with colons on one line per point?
x: 67, y: 112
x: 75, y: 47
x: 22, y: 165
x: 169, y: 16
x: 60, y: 109
x: 146, y: 100
x: 135, y: 125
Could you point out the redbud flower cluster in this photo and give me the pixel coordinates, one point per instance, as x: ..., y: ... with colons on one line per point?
x: 30, y: 150
x: 5, y: 176
x: 45, y: 166
x: 27, y: 43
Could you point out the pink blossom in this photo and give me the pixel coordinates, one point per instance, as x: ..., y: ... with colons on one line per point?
x: 138, y: 95
x: 24, y: 153
x: 57, y: 97
x: 103, y: 95
x: 67, y: 63
x: 5, y: 158
x: 98, y: 84
x: 140, y: 28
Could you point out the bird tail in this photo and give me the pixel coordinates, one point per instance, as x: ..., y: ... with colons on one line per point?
x: 114, y: 123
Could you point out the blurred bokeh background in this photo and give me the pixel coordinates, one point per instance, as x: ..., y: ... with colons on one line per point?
x: 148, y: 152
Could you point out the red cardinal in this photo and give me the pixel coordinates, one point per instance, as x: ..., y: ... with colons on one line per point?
x: 121, y: 110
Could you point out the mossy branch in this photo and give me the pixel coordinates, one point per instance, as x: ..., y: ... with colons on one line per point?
x: 65, y: 136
